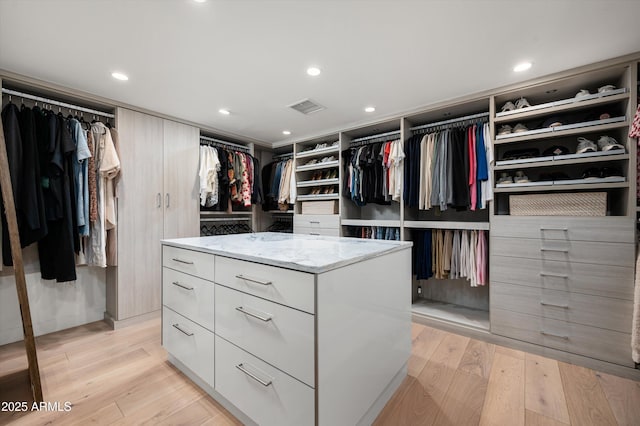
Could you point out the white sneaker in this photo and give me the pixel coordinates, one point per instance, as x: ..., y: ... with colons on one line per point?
x: 504, y: 130
x: 520, y: 177
x: 585, y: 145
x: 522, y: 103
x: 607, y: 88
x: 582, y: 93
x: 509, y: 106
x: 505, y: 178
x: 607, y: 143
x: 520, y: 128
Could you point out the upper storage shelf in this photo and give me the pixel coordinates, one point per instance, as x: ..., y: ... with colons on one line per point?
x: 323, y: 151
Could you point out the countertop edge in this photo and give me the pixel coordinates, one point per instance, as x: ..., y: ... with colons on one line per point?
x: 288, y: 265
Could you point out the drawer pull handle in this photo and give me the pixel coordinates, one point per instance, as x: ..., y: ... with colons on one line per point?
x: 186, y: 262
x: 177, y: 327
x: 543, y: 303
x: 314, y: 233
x: 253, y: 376
x: 558, y: 250
x: 253, y: 280
x: 178, y: 284
x: 314, y: 221
x: 544, y: 333
x: 546, y: 274
x: 261, y: 318
x: 542, y: 229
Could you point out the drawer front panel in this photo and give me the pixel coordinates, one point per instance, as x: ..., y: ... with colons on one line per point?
x: 264, y: 393
x: 188, y: 261
x: 604, y: 229
x: 284, y: 286
x: 189, y: 296
x: 327, y: 232
x: 595, y: 311
x: 279, y: 335
x: 586, y: 278
x: 188, y: 342
x: 597, y: 343
x: 619, y: 254
x: 316, y: 220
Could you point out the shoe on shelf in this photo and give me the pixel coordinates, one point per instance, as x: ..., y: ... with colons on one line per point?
x: 606, y: 88
x: 333, y: 174
x: 519, y: 128
x: 310, y: 162
x: 320, y: 146
x: 585, y: 145
x: 582, y: 93
x: 553, y: 121
x: 610, y: 172
x: 505, y: 130
x: 509, y: 106
x: 520, y: 177
x: 335, y: 143
x: 607, y: 143
x: 325, y: 190
x: 315, y: 191
x: 591, y: 173
x: 522, y: 103
x: 331, y: 190
x: 505, y: 178
x: 328, y: 159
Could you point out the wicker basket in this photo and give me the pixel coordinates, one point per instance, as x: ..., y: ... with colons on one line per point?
x: 562, y: 204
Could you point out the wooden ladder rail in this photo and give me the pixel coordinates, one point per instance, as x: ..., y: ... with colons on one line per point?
x: 18, y: 266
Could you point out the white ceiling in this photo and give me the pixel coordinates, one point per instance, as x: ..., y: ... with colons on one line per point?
x: 188, y: 60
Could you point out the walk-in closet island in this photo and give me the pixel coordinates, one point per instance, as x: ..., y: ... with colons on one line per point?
x: 289, y: 329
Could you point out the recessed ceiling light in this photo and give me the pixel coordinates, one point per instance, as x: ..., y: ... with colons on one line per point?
x: 119, y: 76
x: 224, y: 111
x: 286, y: 132
x: 200, y: 1
x: 369, y: 109
x: 313, y: 71
x: 523, y: 66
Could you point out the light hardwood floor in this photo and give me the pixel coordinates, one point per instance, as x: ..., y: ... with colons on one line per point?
x: 123, y: 378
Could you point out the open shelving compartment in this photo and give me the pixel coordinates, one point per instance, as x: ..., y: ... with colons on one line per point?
x: 447, y: 301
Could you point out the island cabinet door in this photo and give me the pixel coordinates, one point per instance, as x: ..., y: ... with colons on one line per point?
x: 262, y: 392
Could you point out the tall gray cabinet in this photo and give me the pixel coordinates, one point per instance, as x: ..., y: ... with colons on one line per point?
x: 157, y: 198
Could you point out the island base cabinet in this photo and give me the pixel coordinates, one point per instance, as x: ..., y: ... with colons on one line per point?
x: 190, y: 343
x: 265, y: 394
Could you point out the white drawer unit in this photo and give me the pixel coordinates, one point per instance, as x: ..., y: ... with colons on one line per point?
x: 327, y: 232
x: 619, y: 254
x: 598, y: 343
x: 563, y: 305
x: 284, y: 286
x: 281, y: 336
x: 316, y: 220
x: 188, y: 261
x: 190, y: 343
x: 265, y: 394
x: 190, y: 296
x: 604, y: 229
x: 586, y: 278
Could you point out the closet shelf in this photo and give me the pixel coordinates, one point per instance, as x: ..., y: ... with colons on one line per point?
x: 440, y: 224
x: 559, y: 160
x: 280, y: 211
x: 562, y: 186
x: 321, y: 151
x: 208, y: 214
x: 450, y: 313
x: 318, y: 182
x: 317, y: 197
x: 567, y: 130
x: 317, y: 166
x: 563, y: 106
x: 371, y: 222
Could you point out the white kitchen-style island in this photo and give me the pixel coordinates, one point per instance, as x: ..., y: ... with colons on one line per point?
x: 286, y: 329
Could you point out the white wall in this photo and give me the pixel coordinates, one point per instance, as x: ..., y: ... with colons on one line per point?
x: 54, y: 306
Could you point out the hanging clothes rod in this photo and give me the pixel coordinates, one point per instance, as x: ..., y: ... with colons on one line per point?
x: 381, y: 135
x: 56, y: 103
x: 451, y: 121
x: 224, y: 143
x: 283, y: 156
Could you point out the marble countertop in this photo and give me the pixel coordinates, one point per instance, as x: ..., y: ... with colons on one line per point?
x: 308, y: 253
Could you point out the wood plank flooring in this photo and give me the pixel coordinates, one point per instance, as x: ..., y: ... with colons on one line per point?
x: 123, y: 378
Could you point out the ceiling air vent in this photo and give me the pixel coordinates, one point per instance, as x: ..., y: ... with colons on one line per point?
x: 306, y: 106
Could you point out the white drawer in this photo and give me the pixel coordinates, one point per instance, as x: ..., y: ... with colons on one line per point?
x: 595, y: 311
x: 264, y: 393
x: 190, y: 296
x: 587, y: 278
x: 189, y: 343
x: 284, y: 286
x: 327, y: 232
x: 593, y: 342
x: 188, y: 261
x: 316, y: 220
x: 605, y: 229
x: 279, y: 335
x: 618, y: 254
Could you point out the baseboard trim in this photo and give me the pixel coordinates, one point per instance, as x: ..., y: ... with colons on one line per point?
x: 595, y: 364
x: 118, y: 324
x: 376, y: 408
